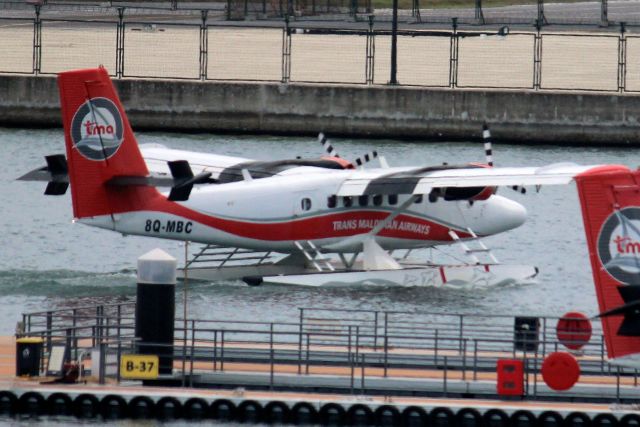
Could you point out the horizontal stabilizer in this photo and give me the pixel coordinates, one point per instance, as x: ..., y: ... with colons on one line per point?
x: 55, y: 173
x: 145, y: 181
x: 181, y: 181
x: 56, y: 170
x: 630, y: 326
x: 40, y: 174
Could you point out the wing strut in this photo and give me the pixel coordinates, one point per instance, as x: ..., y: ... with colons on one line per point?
x: 375, y: 230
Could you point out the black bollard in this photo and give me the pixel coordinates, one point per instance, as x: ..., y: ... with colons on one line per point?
x: 156, y: 307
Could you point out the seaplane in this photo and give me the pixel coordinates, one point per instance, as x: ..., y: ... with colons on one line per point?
x: 314, y: 222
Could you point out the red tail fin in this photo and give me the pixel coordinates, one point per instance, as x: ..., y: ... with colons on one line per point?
x: 100, y: 145
x: 610, y: 199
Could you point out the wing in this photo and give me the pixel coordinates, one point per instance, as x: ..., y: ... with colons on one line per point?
x: 422, y: 181
x: 157, y: 158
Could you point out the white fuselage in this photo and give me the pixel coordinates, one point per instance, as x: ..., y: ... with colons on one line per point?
x: 299, y: 204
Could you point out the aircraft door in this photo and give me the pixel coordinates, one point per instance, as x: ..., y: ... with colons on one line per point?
x: 304, y: 226
x: 304, y: 203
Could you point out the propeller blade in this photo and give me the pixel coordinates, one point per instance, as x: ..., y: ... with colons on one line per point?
x: 327, y: 145
x: 488, y: 149
x: 366, y: 158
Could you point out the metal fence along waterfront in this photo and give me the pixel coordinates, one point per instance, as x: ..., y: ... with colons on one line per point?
x: 368, y: 344
x: 476, y: 12
x: 297, y: 53
x: 364, y: 367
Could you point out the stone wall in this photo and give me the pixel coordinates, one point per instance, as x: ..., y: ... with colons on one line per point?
x: 359, y: 111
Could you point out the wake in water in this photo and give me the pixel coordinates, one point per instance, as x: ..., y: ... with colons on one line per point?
x: 66, y: 283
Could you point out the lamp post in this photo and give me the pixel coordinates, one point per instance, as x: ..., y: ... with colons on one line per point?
x: 393, y: 80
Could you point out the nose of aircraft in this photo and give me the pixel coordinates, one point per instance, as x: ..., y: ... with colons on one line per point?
x: 498, y: 214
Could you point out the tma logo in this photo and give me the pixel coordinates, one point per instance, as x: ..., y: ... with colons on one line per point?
x: 96, y: 129
x: 619, y: 245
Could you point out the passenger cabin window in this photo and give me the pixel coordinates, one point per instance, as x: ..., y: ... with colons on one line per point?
x: 363, y: 200
x: 332, y: 201
x: 347, y: 201
x: 393, y: 199
x: 305, y: 204
x: 418, y: 199
x: 377, y: 199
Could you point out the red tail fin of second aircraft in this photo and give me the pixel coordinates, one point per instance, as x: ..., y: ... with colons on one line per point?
x: 610, y: 199
x: 100, y: 145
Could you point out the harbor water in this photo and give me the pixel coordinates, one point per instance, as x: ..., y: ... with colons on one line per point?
x: 48, y: 262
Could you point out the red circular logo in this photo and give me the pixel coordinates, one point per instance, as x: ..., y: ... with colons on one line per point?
x: 619, y: 245
x: 97, y: 129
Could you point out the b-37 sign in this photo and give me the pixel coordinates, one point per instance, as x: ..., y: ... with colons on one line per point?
x: 139, y: 366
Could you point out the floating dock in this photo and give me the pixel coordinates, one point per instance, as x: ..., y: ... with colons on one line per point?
x: 328, y: 367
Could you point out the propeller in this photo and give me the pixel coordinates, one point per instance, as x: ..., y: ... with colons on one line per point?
x: 359, y: 161
x: 488, y: 152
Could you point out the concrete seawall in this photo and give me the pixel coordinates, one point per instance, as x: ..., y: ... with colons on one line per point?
x: 378, y: 111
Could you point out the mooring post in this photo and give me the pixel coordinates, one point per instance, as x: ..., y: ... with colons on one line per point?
x: 156, y: 306
x: 102, y: 369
